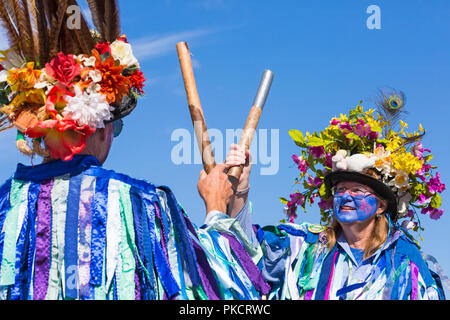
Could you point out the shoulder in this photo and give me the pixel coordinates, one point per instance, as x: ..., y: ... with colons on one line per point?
x: 407, y: 248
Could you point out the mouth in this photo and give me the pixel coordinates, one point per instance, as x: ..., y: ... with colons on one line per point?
x: 347, y: 208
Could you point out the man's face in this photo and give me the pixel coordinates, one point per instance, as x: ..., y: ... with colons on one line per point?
x: 354, y: 202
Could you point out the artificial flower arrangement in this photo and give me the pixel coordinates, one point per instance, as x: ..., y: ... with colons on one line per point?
x: 368, y: 143
x: 71, y: 96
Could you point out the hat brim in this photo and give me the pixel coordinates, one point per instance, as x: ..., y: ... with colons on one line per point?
x: 379, y: 187
x: 123, y: 109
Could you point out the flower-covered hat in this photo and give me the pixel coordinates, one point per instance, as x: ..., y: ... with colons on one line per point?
x: 371, y: 147
x: 60, y: 80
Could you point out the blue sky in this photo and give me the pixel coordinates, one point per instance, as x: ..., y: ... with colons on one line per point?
x: 325, y: 61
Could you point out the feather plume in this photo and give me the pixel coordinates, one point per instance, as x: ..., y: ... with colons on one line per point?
x: 13, y: 37
x: 42, y: 32
x: 111, y: 21
x: 55, y: 29
x: 391, y: 107
x: 97, y: 8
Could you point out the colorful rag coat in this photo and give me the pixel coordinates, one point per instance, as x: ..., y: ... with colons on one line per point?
x: 74, y: 230
x: 298, y: 265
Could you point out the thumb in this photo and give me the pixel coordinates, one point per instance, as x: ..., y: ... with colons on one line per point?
x: 203, y: 175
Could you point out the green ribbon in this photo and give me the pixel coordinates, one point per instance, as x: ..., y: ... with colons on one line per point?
x: 18, y: 197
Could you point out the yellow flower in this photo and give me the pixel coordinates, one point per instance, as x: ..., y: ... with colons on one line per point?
x: 24, y: 78
x: 405, y: 161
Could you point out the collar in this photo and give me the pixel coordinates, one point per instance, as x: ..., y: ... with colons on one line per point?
x: 55, y: 168
x: 342, y: 242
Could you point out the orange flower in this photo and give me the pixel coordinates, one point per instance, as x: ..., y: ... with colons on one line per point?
x: 113, y: 84
x: 24, y: 78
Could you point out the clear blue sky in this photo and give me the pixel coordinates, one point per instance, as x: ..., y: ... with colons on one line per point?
x: 325, y: 61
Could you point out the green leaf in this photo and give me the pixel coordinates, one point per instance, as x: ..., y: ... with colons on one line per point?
x: 315, y: 142
x: 283, y: 201
x: 298, y: 138
x: 323, y: 190
x: 436, y: 201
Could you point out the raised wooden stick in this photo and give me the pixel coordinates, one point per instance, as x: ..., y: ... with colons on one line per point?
x: 252, y: 122
x: 195, y: 108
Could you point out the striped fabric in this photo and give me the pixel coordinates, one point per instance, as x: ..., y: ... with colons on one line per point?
x: 90, y: 233
x: 311, y: 271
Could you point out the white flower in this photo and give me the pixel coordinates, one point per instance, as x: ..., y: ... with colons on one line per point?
x: 408, y: 225
x: 93, y: 88
x: 403, y: 204
x: 3, y: 75
x: 88, y: 61
x: 382, y: 160
x: 95, y: 75
x: 122, y: 51
x: 45, y: 81
x: 87, y: 109
x: 400, y: 181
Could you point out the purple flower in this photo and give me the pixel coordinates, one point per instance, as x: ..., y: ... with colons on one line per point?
x: 346, y: 127
x: 318, y: 152
x: 434, y: 213
x: 325, y: 204
x: 328, y: 162
x: 435, y: 185
x: 373, y: 135
x: 296, y: 198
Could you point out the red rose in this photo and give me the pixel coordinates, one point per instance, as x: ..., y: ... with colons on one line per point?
x: 103, y: 47
x: 63, y: 68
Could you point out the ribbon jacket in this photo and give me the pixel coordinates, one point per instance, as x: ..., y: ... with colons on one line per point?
x: 73, y: 230
x: 298, y: 265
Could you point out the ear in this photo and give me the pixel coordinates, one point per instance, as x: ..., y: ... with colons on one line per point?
x: 382, y: 205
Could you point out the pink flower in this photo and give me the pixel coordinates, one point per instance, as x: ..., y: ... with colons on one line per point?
x: 419, y: 150
x: 435, y: 185
x: 423, y: 199
x: 63, y: 68
x: 335, y: 122
x: 301, y: 163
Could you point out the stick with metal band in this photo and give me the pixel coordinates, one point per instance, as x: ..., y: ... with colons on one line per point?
x: 195, y: 107
x: 252, y: 122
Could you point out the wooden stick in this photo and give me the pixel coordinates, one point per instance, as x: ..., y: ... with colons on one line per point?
x: 195, y: 107
x: 252, y: 123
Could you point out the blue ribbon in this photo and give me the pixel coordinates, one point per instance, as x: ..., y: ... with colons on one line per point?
x: 187, y: 248
x: 325, y: 274
x: 162, y: 266
x: 71, y: 238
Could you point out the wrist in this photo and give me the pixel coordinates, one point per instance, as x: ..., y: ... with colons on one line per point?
x: 216, y: 205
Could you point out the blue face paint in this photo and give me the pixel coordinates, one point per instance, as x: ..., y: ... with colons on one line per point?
x: 364, y: 207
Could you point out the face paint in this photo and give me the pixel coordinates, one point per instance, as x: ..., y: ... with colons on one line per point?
x: 359, y: 207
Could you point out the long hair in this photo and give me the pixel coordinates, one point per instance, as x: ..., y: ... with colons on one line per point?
x: 379, y: 235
